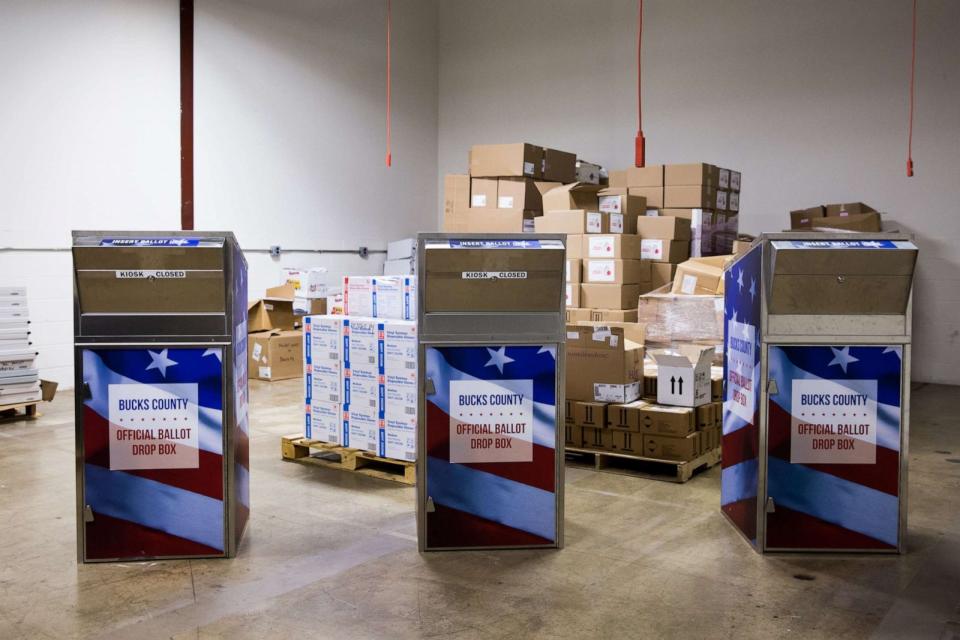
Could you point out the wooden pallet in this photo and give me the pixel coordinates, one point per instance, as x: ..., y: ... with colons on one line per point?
x: 652, y: 468
x: 23, y: 410
x: 331, y: 456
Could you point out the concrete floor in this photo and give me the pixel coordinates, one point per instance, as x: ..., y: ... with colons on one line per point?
x: 329, y: 554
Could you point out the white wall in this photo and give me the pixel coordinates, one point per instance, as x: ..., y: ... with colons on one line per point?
x: 808, y: 99
x: 288, y: 134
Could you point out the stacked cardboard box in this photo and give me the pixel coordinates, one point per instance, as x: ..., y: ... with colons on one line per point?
x: 392, y: 297
x: 360, y: 384
x: 666, y: 242
x: 851, y: 216
x: 19, y: 376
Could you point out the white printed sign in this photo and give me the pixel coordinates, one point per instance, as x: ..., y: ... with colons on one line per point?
x: 491, y: 421
x: 602, y: 271
x: 833, y: 422
x: 651, y: 249
x: 153, y: 426
x: 741, y: 374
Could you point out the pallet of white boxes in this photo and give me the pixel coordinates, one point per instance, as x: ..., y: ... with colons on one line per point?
x: 20, y: 385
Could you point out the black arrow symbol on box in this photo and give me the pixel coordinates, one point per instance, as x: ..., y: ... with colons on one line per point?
x: 673, y: 385
x: 680, y: 382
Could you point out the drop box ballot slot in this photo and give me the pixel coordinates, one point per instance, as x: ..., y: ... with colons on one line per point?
x: 817, y: 392
x: 161, y: 405
x: 490, y: 429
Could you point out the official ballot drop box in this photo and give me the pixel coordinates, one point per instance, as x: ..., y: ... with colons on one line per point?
x: 816, y: 392
x: 490, y: 435
x: 160, y: 326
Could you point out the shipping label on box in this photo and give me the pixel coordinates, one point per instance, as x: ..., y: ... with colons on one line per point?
x: 723, y: 180
x: 616, y: 222
x: 594, y: 222
x: 621, y: 247
x: 721, y: 199
x: 733, y: 201
x: 324, y: 421
x: 618, y: 393
x: 683, y: 375
x: 735, y: 180
x: 611, y: 204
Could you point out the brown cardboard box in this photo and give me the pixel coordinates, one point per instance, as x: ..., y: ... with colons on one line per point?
x: 853, y: 222
x: 590, y: 173
x: 575, y: 195
x: 625, y: 417
x: 483, y: 193
x: 601, y: 439
x: 568, y: 411
x: 576, y: 314
x: 611, y: 315
x: 574, y: 271
x: 664, y: 227
x: 626, y: 442
x: 741, y: 246
x: 574, y: 246
x: 689, y: 196
x: 803, y: 218
x: 662, y: 420
x: 572, y: 294
x: 617, y: 179
x: 270, y: 314
x: 573, y: 221
x: 690, y: 174
x: 652, y: 195
x: 648, y: 176
x: 275, y: 355
x: 846, y: 209
x: 490, y: 220
x: 573, y: 436
x: 496, y: 160
x: 619, y: 200
x: 675, y: 251
x: 706, y: 415
x: 612, y: 271
x: 590, y: 414
x: 701, y: 276
x: 518, y: 193
x: 559, y: 166
x: 661, y: 273
x: 619, y: 246
x: 456, y: 193
x: 632, y: 331
x: 716, y: 385
x: 599, y: 356
x: 610, y: 296
x: 672, y: 448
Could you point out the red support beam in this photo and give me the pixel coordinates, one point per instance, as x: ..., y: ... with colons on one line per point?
x: 186, y: 115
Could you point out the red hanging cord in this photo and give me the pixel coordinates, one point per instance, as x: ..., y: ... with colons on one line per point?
x: 640, y: 142
x: 389, y: 157
x: 913, y: 68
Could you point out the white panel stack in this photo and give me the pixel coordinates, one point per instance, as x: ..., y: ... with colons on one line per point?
x: 401, y: 258
x: 323, y: 389
x: 19, y: 377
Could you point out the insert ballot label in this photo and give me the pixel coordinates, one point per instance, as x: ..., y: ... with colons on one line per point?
x: 153, y: 426
x: 833, y: 423
x: 491, y: 422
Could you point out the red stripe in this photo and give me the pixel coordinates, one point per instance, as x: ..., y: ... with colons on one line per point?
x: 448, y: 527
x: 789, y: 529
x: 741, y: 445
x: 540, y: 472
x: 206, y: 479
x: 743, y: 514
x: 883, y: 476
x: 107, y: 538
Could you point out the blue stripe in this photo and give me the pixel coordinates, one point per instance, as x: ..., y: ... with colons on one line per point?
x: 482, y: 494
x: 844, y: 503
x: 156, y: 505
x: 739, y: 482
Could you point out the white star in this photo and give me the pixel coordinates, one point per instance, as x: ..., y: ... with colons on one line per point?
x: 498, y: 357
x: 753, y: 287
x: 734, y: 319
x: 892, y: 350
x: 745, y: 330
x: 548, y: 349
x: 213, y: 352
x: 740, y: 278
x: 160, y: 361
x: 842, y: 357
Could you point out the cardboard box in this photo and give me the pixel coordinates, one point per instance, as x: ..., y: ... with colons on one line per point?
x: 395, y: 297
x: 664, y: 227
x: 617, y: 179
x: 706, y: 415
x: 626, y: 442
x: 576, y: 314
x: 656, y: 419
x: 612, y: 271
x: 698, y: 173
x: 589, y: 173
x: 846, y: 209
x: 559, y: 166
x: 403, y: 248
x: 397, y: 350
x: 733, y: 201
x: 323, y: 359
x: 573, y: 221
x: 568, y: 417
x: 572, y: 196
x: 618, y: 246
x: 574, y: 270
x: 275, y: 355
x: 741, y: 246
x: 483, y: 192
x: 490, y: 220
x: 601, y: 439
x: 671, y: 448
x: 324, y: 422
x: 309, y: 306
x: 648, y: 176
x: 401, y: 267
x: 683, y: 375
x: 674, y: 251
x: 716, y: 384
x: 852, y: 222
x: 572, y: 294
x: 573, y: 436
x: 519, y: 193
x: 621, y: 393
x: 652, y: 195
x: 600, y: 355
x: 671, y: 318
x: 497, y: 160
x: 701, y: 276
x: 619, y: 200
x: 734, y: 180
x: 689, y: 196
x: 574, y: 245
x: 302, y: 283
x: 609, y: 296
x: 803, y: 218
x: 358, y: 296
x: 625, y: 417
x: 590, y: 414
x: 661, y: 274
x: 270, y: 314
x: 611, y: 315
x: 456, y: 193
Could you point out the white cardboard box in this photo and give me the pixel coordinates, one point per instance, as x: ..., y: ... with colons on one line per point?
x: 683, y: 375
x: 400, y: 267
x: 324, y: 421
x: 395, y: 297
x: 358, y: 296
x: 405, y: 248
x: 322, y: 357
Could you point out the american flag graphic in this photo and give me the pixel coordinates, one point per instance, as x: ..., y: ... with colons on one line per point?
x: 479, y: 504
x: 155, y: 512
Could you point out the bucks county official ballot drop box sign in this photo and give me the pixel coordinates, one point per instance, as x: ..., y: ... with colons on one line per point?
x: 834, y: 404
x: 491, y: 350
